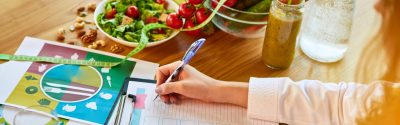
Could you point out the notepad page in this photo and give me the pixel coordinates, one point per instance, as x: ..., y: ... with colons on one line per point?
x: 188, y: 112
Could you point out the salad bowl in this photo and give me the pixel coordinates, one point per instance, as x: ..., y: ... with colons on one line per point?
x: 100, y: 11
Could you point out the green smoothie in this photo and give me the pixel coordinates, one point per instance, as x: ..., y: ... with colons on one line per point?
x: 280, y: 37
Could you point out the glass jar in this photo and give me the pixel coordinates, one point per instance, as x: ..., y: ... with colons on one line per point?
x: 326, y: 29
x: 281, y: 34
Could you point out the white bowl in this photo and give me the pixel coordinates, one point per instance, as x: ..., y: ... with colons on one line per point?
x: 100, y: 9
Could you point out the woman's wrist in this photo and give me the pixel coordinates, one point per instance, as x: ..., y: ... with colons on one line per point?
x: 230, y: 92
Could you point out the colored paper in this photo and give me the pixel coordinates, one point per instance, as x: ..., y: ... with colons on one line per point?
x: 80, y: 93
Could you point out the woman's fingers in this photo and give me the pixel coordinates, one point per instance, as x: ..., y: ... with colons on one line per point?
x: 171, y: 87
x: 173, y: 98
x: 165, y: 99
x: 165, y: 71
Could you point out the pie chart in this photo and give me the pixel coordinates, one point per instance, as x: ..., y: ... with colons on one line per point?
x: 71, y: 83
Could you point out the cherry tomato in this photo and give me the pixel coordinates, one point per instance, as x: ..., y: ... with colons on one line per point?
x: 186, y: 10
x: 229, y: 3
x: 174, y: 21
x: 133, y: 12
x: 195, y: 2
x: 160, y: 1
x: 111, y: 13
x: 158, y: 31
x: 151, y: 20
x: 214, y: 3
x: 191, y: 24
x: 294, y: 2
x: 202, y: 14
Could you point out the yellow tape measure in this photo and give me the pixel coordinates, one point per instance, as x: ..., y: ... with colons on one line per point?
x: 142, y: 44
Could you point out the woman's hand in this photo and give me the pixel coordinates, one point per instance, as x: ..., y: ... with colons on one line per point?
x: 196, y: 85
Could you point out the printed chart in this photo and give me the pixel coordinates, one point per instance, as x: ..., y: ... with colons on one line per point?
x: 188, y: 112
x: 82, y: 93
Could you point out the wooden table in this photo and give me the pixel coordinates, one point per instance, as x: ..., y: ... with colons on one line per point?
x: 223, y: 57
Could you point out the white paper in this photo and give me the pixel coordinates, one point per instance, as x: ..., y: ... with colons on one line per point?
x: 189, y: 112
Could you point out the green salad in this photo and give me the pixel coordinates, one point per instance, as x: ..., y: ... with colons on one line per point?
x: 125, y: 19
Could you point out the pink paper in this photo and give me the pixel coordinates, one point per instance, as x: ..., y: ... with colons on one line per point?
x: 140, y: 99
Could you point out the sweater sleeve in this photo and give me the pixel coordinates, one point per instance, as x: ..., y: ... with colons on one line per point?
x: 309, y: 101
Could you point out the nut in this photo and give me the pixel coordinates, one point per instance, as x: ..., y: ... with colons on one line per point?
x: 116, y: 49
x: 80, y: 9
x: 92, y: 27
x: 71, y: 28
x: 88, y: 21
x: 88, y: 38
x: 80, y: 34
x: 92, y: 47
x: 71, y: 42
x: 61, y: 31
x: 60, y: 38
x: 102, y: 43
x: 79, y: 25
x: 82, y: 14
x: 91, y: 7
x: 93, y: 32
x: 79, y: 19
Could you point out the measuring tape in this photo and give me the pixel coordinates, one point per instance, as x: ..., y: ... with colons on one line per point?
x: 144, y: 39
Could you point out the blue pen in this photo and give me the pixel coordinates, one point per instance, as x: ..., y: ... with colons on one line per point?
x: 185, y: 60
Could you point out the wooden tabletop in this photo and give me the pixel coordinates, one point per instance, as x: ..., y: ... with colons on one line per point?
x: 223, y: 56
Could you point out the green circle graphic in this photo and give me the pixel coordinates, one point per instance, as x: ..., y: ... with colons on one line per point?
x: 71, y: 83
x: 31, y: 89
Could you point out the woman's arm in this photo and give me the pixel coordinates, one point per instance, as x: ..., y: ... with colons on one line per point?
x: 310, y: 101
x: 274, y: 99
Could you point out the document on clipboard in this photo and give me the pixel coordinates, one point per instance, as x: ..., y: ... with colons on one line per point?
x: 145, y: 111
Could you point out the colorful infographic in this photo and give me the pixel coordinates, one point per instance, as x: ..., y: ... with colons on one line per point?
x: 82, y: 93
x: 70, y: 83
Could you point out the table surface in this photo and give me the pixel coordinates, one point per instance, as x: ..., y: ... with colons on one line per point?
x: 222, y: 57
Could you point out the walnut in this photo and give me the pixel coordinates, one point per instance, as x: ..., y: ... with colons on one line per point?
x: 89, y: 38
x: 80, y: 9
x: 91, y: 7
x: 116, y: 49
x: 93, y: 32
x: 60, y: 37
x: 80, y: 34
x: 71, y: 42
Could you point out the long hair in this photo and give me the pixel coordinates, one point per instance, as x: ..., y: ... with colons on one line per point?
x: 386, y: 111
x: 380, y: 59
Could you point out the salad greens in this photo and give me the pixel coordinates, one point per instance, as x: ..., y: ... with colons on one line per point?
x: 119, y: 25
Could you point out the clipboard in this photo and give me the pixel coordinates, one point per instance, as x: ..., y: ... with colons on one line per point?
x: 127, y: 104
x: 147, y: 111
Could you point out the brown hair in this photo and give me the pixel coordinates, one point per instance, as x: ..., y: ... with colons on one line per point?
x: 385, y: 44
x: 382, y: 55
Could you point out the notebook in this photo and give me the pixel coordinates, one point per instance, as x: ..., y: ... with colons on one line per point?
x: 190, y: 112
